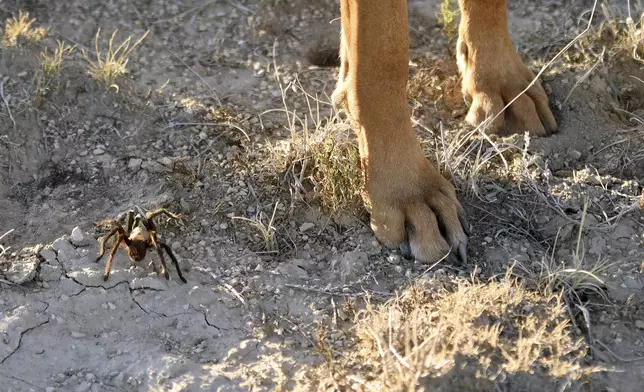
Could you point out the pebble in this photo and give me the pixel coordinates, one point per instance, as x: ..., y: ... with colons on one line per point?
x: 574, y: 154
x: 306, y: 226
x: 176, y: 245
x: 77, y: 235
x: 119, y: 379
x: 98, y: 151
x: 48, y: 254
x: 166, y: 161
x: 84, y: 386
x: 50, y: 389
x: 78, y: 335
x: 134, y: 164
x: 639, y: 324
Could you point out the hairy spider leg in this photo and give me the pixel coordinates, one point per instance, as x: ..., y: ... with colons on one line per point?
x: 104, y: 240
x: 164, y: 267
x: 140, y: 210
x: 174, y: 260
x: 152, y: 214
x: 130, y: 222
x: 108, y: 267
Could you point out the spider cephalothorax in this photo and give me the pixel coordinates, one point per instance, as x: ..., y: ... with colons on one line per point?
x: 139, y: 234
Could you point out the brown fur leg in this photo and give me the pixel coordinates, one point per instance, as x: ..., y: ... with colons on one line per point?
x: 410, y: 201
x: 493, y: 73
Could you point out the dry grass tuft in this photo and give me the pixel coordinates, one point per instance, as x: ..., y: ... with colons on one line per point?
x: 113, y: 64
x: 320, y: 160
x: 4, y: 249
x: 625, y: 34
x: 52, y: 62
x: 265, y: 227
x: 461, y: 335
x: 575, y: 280
x: 20, y: 26
x: 323, y: 166
x: 616, y: 38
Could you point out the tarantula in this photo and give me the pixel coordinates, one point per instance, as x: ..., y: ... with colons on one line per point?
x: 139, y: 235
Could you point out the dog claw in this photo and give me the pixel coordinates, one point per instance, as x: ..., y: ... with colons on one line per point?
x: 405, y: 251
x: 462, y: 253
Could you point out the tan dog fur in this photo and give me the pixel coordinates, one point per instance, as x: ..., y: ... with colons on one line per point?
x: 409, y: 200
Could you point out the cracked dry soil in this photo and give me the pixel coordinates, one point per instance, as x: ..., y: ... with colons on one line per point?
x: 247, y: 318
x: 133, y: 332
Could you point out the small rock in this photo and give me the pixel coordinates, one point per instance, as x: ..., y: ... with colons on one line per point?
x: 49, y: 272
x: 352, y: 265
x: 166, y: 161
x: 203, y: 135
x: 306, y: 226
x: 185, y: 206
x: 65, y: 250
x: 293, y: 269
x: 639, y: 324
x: 574, y: 154
x: 118, y: 380
x: 22, y: 269
x: 48, y: 254
x: 134, y: 164
x: 84, y: 386
x: 50, y: 389
x: 98, y: 151
x: 78, y: 335
x: 175, y: 245
x: 77, y: 236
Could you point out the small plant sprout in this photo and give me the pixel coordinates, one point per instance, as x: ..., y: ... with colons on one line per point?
x: 112, y: 64
x: 265, y: 228
x: 52, y: 62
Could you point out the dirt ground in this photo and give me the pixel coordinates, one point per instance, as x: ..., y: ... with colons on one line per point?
x: 196, y: 126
